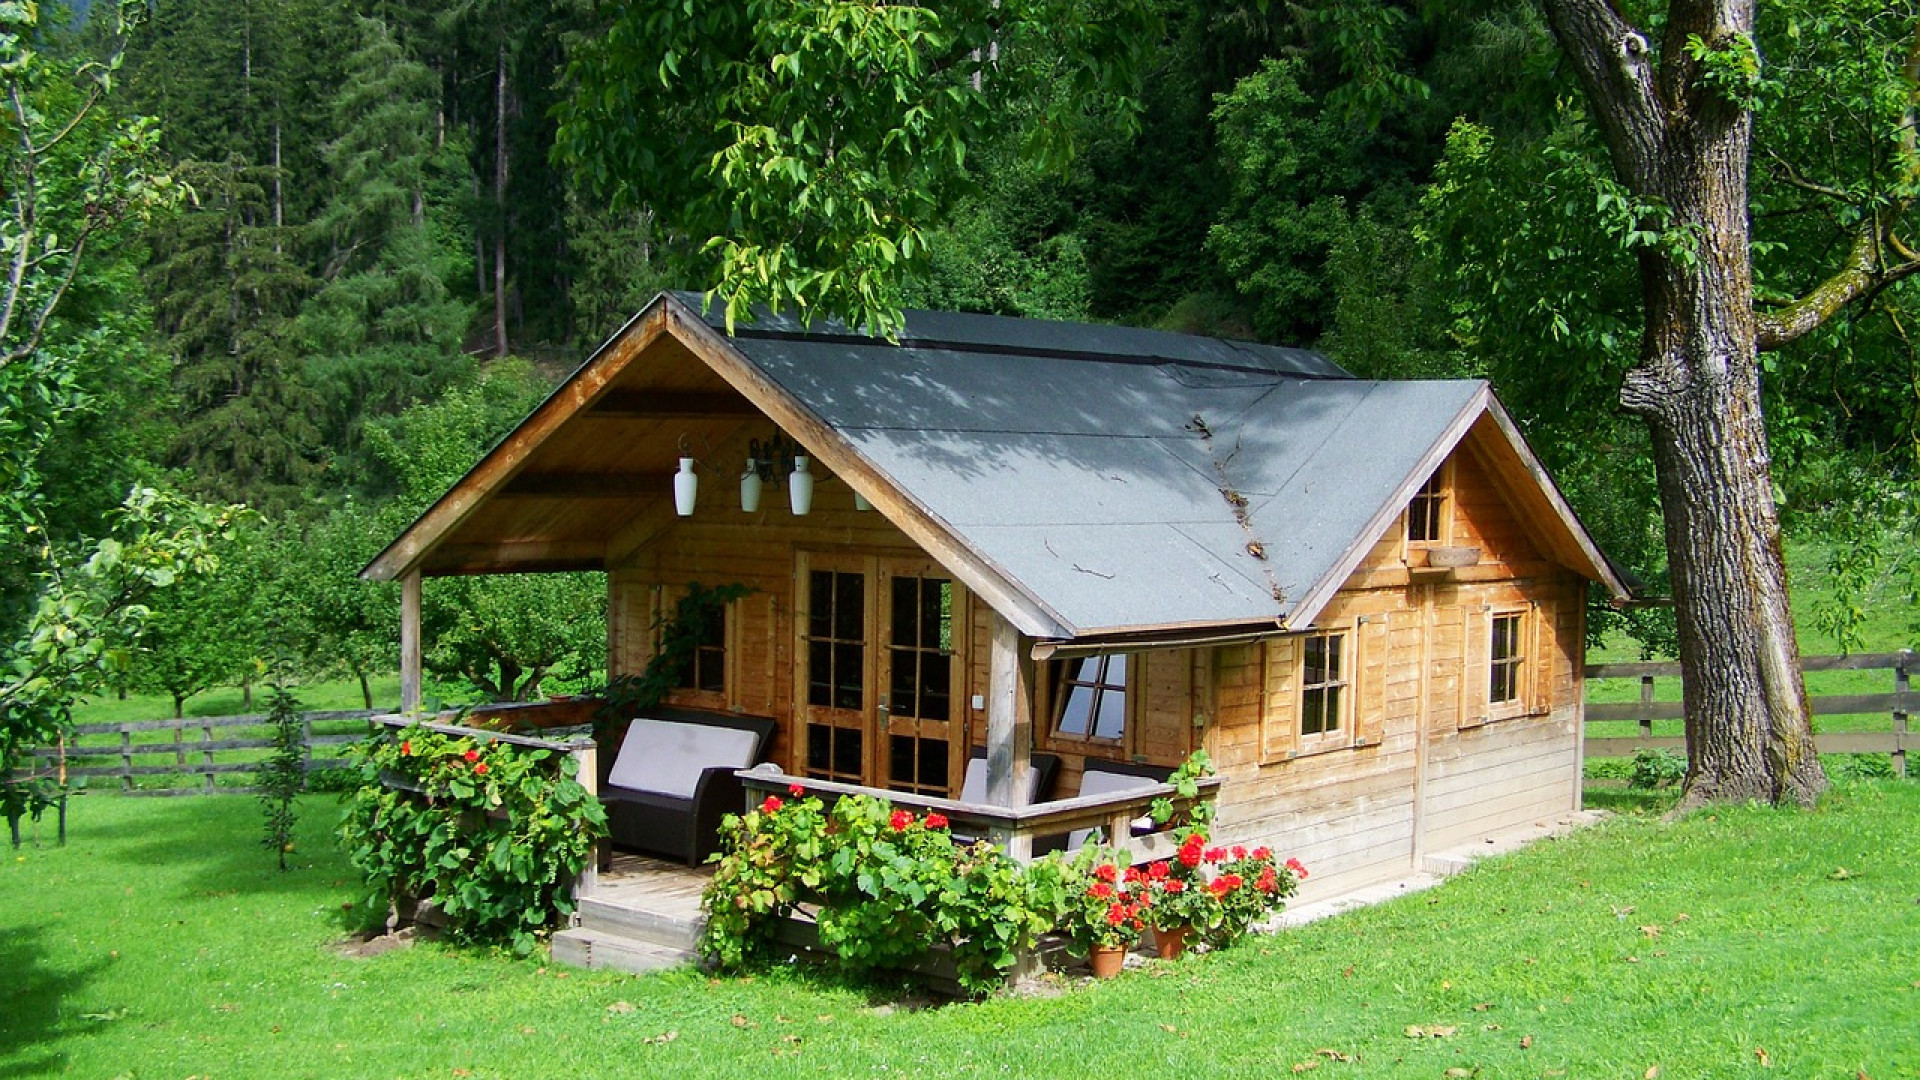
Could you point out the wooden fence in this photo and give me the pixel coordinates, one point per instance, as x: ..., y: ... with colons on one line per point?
x: 1898, y: 704
x: 200, y: 749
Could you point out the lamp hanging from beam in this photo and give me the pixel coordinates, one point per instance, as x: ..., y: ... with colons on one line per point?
x: 686, y: 488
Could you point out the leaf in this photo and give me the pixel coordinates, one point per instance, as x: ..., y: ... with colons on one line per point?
x: 1760, y: 1054
x: 620, y: 1008
x: 1652, y: 1073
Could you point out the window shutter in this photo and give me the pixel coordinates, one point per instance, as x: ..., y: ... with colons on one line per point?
x: 1476, y: 663
x: 1372, y: 659
x: 1539, y: 659
x: 1279, y: 699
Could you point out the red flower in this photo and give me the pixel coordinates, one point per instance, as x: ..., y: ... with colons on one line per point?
x: 1159, y: 871
x: 1268, y: 882
x: 1219, y: 886
x: 480, y: 769
x: 1215, y: 854
x: 1299, y: 871
x: 471, y: 755
x: 1263, y: 853
x: 937, y: 821
x: 406, y: 747
x: 1107, y: 872
x: 1117, y: 914
x: 900, y: 820
x: 1100, y: 890
x: 1239, y: 852
x: 771, y: 804
x: 1190, y: 851
x: 1175, y: 885
x: 796, y: 790
x: 1131, y: 876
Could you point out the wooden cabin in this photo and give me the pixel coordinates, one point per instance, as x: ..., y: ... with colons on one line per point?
x: 1364, y: 599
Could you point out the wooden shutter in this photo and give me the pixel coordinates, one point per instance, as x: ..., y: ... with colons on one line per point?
x: 1476, y: 644
x: 1372, y: 660
x: 1279, y: 699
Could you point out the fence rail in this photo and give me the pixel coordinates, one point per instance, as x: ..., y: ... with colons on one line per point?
x: 1899, y: 704
x: 190, y: 753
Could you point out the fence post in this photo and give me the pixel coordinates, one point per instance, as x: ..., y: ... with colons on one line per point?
x: 1646, y: 707
x: 126, y: 758
x: 1900, y: 687
x: 206, y: 741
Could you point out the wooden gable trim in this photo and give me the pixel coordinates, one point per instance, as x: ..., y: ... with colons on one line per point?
x: 1026, y: 612
x: 1585, y: 554
x: 499, y: 465
x: 1322, y: 592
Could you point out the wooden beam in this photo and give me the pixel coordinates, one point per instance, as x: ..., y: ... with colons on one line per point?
x: 524, y: 556
x: 410, y: 642
x: 588, y: 485
x: 1010, y: 675
x: 655, y: 405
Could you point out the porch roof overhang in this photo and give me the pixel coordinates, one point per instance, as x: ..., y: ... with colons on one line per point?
x: 1100, y: 487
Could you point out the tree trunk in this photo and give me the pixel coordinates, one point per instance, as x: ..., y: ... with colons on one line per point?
x: 366, y: 689
x: 1675, y: 141
x: 500, y: 346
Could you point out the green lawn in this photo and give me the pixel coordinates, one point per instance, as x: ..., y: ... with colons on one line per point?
x: 160, y: 943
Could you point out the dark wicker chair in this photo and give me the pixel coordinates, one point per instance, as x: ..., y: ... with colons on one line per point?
x: 679, y: 788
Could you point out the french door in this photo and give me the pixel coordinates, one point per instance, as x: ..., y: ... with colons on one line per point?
x: 878, y: 669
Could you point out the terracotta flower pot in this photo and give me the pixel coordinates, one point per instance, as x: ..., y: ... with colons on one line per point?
x: 1170, y: 942
x: 1106, y: 960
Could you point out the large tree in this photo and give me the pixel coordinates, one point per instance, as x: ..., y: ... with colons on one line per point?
x: 1676, y: 112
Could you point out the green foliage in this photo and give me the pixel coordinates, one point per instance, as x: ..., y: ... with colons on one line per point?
x: 494, y: 833
x: 1655, y: 768
x: 815, y: 145
x: 282, y: 777
x: 892, y: 888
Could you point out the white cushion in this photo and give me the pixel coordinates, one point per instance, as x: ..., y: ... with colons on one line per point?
x: 1099, y: 782
x: 666, y: 757
x: 973, y: 786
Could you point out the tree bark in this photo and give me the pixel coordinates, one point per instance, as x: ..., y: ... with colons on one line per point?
x: 1697, y: 387
x: 500, y: 345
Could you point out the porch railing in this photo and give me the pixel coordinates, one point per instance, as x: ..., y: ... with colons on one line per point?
x: 1014, y: 829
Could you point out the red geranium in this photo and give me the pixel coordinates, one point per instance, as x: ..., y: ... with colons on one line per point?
x: 1263, y: 853
x: 1268, y: 880
x: 480, y: 769
x: 1239, y: 851
x: 796, y: 790
x: 406, y: 747
x: 771, y: 804
x: 1190, y: 850
x: 1215, y: 854
x: 471, y: 755
x: 1299, y: 871
x: 1174, y: 885
x: 900, y: 820
x: 1107, y: 872
x: 1100, y: 890
x: 1118, y: 914
x: 1159, y: 871
x: 937, y: 821
x: 1132, y: 875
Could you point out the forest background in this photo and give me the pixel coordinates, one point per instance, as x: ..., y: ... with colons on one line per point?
x: 368, y: 260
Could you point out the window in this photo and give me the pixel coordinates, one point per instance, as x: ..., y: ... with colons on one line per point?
x: 1426, y: 514
x: 1091, y: 698
x: 1508, y: 660
x: 706, y: 669
x: 1323, y: 686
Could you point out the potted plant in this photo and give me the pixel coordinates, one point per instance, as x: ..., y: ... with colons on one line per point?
x: 1182, y: 903
x: 1104, y: 908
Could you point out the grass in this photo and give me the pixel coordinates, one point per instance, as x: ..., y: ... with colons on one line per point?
x: 160, y: 943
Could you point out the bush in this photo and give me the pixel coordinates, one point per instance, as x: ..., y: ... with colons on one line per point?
x: 1653, y: 768
x: 492, y: 832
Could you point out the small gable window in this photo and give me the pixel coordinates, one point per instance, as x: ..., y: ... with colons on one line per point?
x: 1091, y: 698
x: 1426, y: 514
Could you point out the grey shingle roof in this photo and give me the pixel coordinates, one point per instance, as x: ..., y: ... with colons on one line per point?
x: 1090, y: 465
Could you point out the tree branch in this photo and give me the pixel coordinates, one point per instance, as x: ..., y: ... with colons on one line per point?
x: 1863, y: 274
x: 1615, y: 66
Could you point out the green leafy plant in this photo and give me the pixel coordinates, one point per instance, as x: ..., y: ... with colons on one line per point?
x: 1656, y: 768
x: 282, y: 776
x: 890, y: 887
x: 1221, y: 893
x: 1106, y: 901
x: 492, y: 832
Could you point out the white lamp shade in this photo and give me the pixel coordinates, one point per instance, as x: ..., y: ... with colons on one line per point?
x: 686, y: 488
x: 800, y: 487
x: 750, y: 487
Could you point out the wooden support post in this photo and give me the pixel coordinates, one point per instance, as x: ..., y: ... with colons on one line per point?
x: 1646, y: 706
x: 410, y: 642
x: 586, y: 757
x: 1900, y: 688
x: 1009, y: 725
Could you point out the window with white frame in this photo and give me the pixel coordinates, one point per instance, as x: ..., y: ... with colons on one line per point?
x: 1090, y: 698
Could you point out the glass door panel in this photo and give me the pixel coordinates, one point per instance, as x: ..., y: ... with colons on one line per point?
x: 835, y: 646
x: 919, y: 675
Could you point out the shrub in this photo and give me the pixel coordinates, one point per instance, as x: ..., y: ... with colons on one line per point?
x: 1656, y: 768
x: 493, y: 832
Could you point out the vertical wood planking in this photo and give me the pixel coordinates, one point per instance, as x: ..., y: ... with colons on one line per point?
x: 410, y: 642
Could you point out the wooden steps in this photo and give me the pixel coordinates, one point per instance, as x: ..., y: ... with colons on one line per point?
x: 644, y: 916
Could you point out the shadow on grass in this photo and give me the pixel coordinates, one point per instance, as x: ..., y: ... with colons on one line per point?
x: 1631, y: 801
x: 211, y: 846
x: 35, y: 995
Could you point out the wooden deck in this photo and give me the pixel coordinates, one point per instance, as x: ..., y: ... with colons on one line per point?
x: 643, y: 914
x: 646, y: 883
